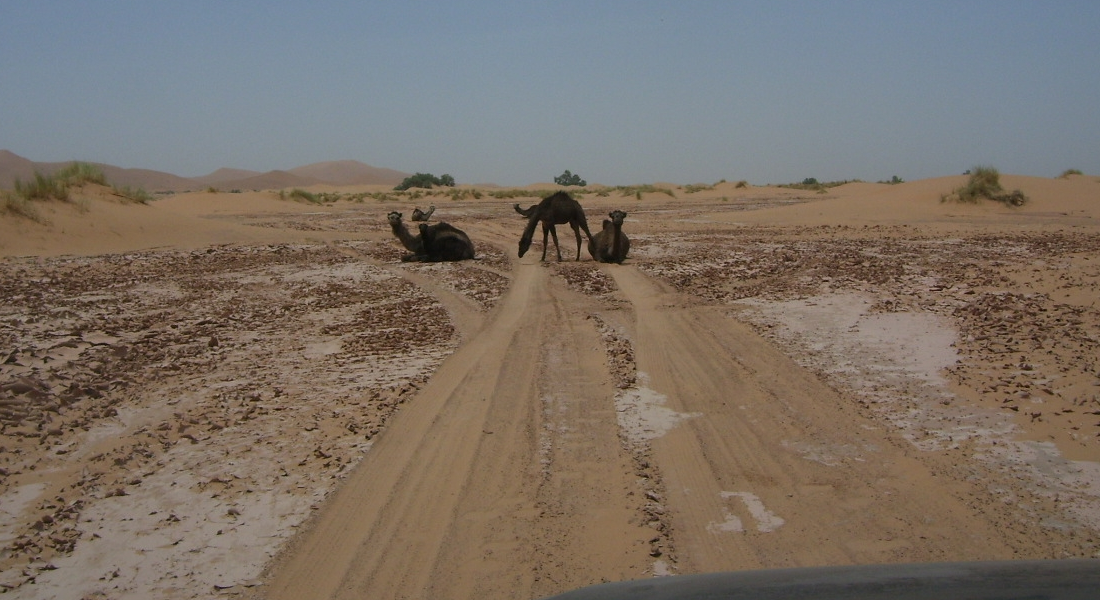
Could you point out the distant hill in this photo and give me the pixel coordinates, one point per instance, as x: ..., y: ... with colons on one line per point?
x: 222, y: 175
x: 349, y: 172
x: 341, y: 172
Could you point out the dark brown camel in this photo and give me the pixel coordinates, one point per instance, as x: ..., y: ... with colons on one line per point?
x: 443, y: 242
x: 556, y: 209
x: 411, y: 242
x: 610, y: 244
x: 525, y: 212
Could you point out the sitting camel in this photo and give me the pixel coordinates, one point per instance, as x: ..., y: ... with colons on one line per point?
x: 419, y: 215
x: 443, y: 242
x: 411, y: 242
x: 555, y: 209
x: 439, y: 242
x: 610, y: 244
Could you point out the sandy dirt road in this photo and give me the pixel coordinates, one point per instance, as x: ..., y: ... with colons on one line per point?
x: 505, y: 478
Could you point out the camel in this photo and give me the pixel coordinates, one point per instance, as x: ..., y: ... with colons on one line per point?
x: 610, y: 244
x: 439, y: 242
x: 525, y: 212
x: 443, y: 242
x: 555, y: 209
x: 411, y: 242
x: 419, y: 215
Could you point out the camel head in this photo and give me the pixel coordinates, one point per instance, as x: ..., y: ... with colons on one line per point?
x: 394, y: 218
x: 524, y: 245
x: 617, y: 217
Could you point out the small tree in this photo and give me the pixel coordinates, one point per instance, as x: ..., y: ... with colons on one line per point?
x: 568, y: 178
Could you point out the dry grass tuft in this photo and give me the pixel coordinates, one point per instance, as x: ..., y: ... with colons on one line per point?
x: 985, y: 182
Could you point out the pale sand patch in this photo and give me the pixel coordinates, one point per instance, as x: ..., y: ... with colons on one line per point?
x: 642, y: 413
x: 895, y: 362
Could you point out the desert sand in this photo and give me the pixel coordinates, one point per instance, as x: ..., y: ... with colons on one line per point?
x: 223, y: 394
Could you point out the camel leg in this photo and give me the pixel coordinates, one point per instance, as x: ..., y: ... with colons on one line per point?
x: 545, y: 234
x: 577, y: 232
x: 554, y: 232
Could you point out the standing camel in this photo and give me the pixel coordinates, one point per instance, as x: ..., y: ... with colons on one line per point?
x: 610, y: 244
x: 525, y: 212
x: 556, y: 209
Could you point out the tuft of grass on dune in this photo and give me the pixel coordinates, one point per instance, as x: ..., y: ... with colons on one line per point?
x: 21, y: 200
x: 984, y: 182
x: 19, y: 206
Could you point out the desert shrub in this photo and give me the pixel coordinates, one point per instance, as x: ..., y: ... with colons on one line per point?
x: 426, y: 181
x: 741, y: 184
x: 1069, y: 172
x: 811, y: 183
x: 894, y: 180
x: 568, y: 178
x: 13, y: 204
x: 697, y: 187
x: 460, y: 194
x: 42, y: 188
x: 138, y: 195
x: 638, y: 190
x: 79, y: 173
x: 300, y: 195
x: 984, y: 182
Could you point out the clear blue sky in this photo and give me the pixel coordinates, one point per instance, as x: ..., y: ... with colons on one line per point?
x: 516, y: 92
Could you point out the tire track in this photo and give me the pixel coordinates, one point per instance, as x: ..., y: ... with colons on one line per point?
x: 774, y: 470
x: 492, y: 481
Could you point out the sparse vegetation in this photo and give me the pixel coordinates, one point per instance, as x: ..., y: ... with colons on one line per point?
x: 1065, y: 174
x: 984, y: 182
x: 138, y: 195
x: 811, y: 183
x: 894, y: 180
x: 426, y: 181
x: 741, y: 184
x: 300, y: 195
x: 12, y: 204
x: 638, y: 190
x: 42, y: 188
x: 568, y: 178
x: 697, y: 187
x: 57, y: 186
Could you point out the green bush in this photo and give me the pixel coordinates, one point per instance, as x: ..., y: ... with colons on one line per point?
x: 426, y: 181
x: 1069, y: 172
x: 568, y: 178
